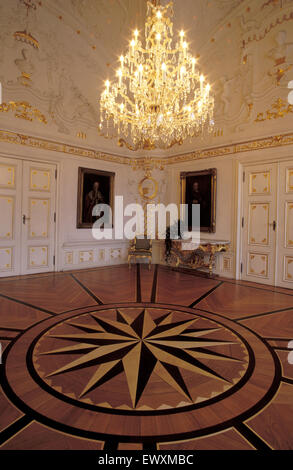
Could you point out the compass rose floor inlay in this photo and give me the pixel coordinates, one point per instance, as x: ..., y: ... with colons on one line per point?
x: 156, y: 359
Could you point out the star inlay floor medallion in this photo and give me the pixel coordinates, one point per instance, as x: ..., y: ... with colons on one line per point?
x: 142, y: 358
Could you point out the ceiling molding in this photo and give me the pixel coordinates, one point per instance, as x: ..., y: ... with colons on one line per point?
x: 44, y: 144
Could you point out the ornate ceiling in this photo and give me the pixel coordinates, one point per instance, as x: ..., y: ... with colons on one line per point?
x: 54, y: 76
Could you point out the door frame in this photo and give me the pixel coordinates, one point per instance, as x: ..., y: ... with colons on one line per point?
x: 239, y: 203
x: 58, y: 164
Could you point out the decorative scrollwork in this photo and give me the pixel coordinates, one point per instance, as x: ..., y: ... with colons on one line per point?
x: 279, y: 109
x: 23, y: 110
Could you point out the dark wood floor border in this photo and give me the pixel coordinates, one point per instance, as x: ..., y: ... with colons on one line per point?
x: 155, y: 284
x: 150, y: 446
x: 286, y: 380
x: 262, y: 314
x: 111, y: 445
x: 28, y: 305
x: 86, y: 289
x: 14, y: 428
x: 253, y: 438
x: 81, y: 308
x: 202, y: 297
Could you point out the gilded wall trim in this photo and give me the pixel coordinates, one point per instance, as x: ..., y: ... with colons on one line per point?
x: 259, y: 144
x: 44, y: 144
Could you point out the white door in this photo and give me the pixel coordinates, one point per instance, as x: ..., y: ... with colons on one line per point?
x: 285, y: 227
x: 10, y: 209
x: 259, y: 223
x: 38, y: 217
x: 27, y: 205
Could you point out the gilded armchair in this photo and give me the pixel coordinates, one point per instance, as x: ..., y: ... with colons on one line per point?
x: 140, y: 248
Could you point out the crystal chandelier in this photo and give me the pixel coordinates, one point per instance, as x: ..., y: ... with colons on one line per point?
x: 159, y: 97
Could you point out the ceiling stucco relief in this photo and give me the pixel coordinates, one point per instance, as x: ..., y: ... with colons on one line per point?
x: 245, y: 50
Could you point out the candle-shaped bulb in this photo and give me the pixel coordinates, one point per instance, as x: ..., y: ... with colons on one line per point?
x: 184, y: 45
x: 121, y: 107
x: 182, y: 72
x: 193, y: 64
x: 132, y: 46
x: 164, y: 69
x: 158, y: 37
x: 136, y: 33
x: 119, y: 73
x: 181, y: 34
x: 107, y: 85
x: 159, y: 15
x: 140, y: 71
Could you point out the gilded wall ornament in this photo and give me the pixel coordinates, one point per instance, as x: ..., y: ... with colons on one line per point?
x: 23, y: 110
x: 146, y: 145
x: 258, y: 37
x: 26, y: 37
x: 278, y: 109
x: 148, y: 188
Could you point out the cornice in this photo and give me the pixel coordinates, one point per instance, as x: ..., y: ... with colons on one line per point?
x: 235, y: 148
x: 258, y: 144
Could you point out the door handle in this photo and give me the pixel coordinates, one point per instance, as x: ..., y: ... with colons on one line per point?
x: 274, y: 225
x: 25, y: 218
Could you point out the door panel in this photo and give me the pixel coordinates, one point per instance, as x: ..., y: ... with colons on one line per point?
x: 285, y: 232
x: 259, y: 230
x: 38, y: 227
x: 10, y: 207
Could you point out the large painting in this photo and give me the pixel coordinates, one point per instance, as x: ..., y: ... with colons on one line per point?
x: 199, y: 187
x: 94, y: 187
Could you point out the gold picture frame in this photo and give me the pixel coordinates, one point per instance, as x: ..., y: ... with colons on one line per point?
x: 200, y: 187
x: 87, y: 178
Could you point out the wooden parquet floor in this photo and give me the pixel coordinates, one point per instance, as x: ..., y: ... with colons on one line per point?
x: 112, y: 358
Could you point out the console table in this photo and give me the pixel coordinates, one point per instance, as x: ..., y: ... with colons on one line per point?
x: 186, y: 254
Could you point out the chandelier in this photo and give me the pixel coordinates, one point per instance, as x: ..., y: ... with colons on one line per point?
x: 159, y: 97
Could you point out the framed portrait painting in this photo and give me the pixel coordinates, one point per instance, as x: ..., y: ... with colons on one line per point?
x: 199, y: 187
x: 94, y: 187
